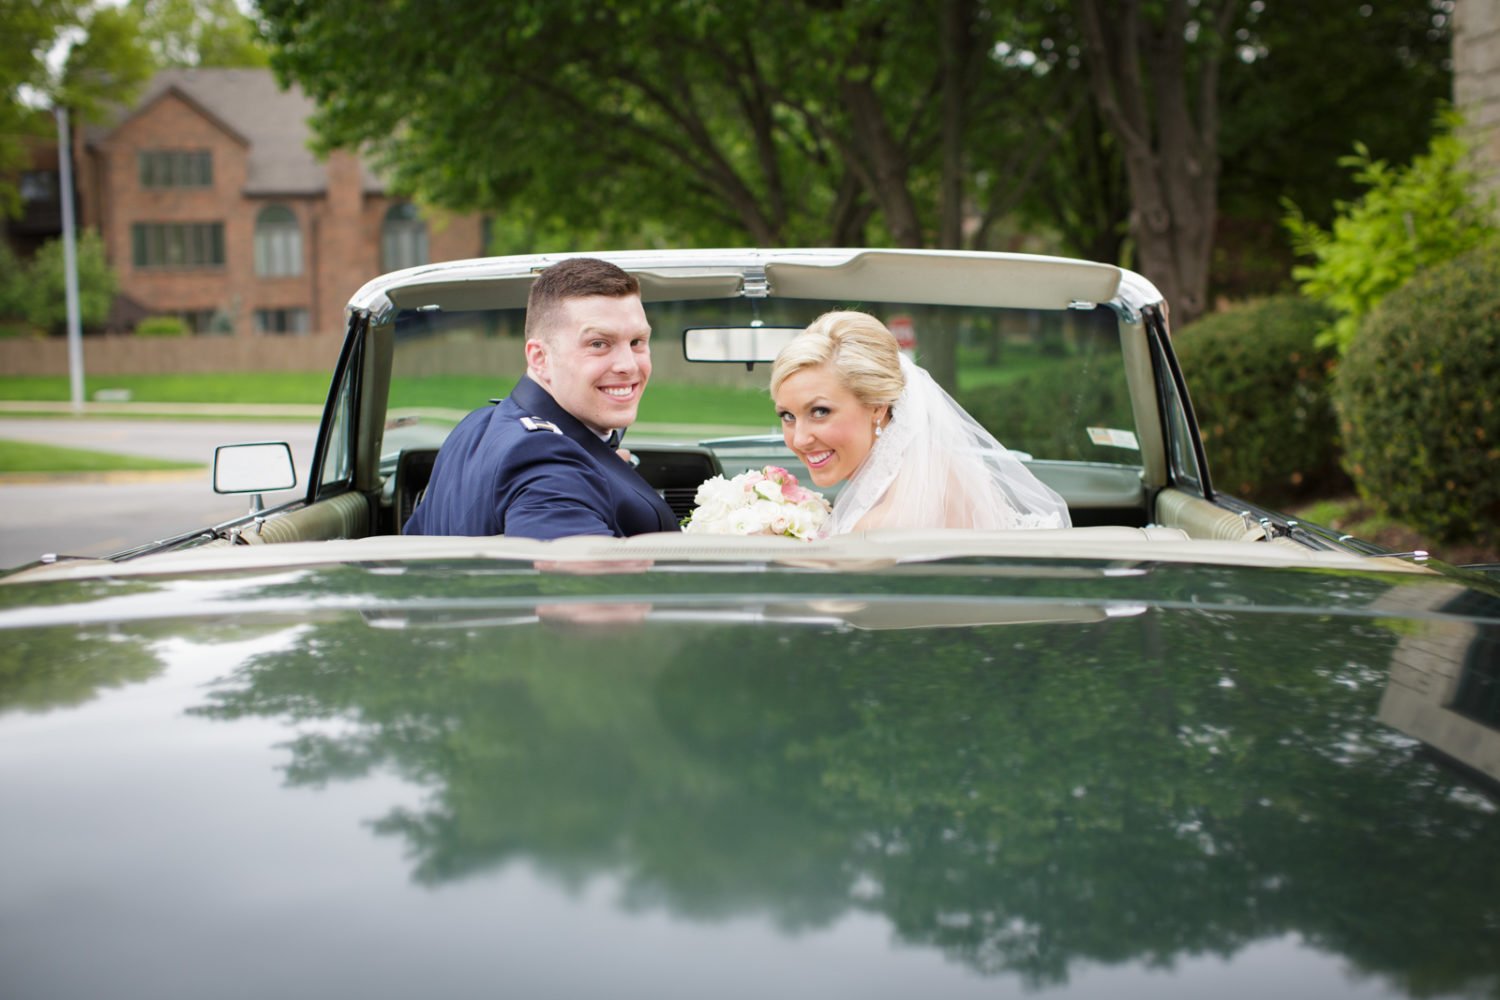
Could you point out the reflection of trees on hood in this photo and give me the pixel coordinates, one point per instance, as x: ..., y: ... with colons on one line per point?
x: 539, y: 744
x: 1055, y: 794
x: 1024, y: 797
x: 45, y: 668
x: 50, y: 667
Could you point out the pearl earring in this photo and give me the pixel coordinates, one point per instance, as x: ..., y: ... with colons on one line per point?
x: 877, y: 430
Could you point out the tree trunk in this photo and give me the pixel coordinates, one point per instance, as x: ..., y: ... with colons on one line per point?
x: 885, y: 162
x: 957, y: 34
x: 1170, y: 152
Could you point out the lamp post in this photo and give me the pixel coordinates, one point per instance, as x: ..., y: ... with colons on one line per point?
x: 70, y: 259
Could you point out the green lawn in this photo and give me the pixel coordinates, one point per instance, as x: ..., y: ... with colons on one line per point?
x: 665, y: 402
x: 203, y: 387
x: 22, y: 456
x: 1016, y: 361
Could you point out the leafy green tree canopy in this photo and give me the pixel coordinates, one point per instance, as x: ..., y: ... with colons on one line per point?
x: 199, y: 33
x: 788, y: 122
x: 31, y: 29
x: 1308, y: 81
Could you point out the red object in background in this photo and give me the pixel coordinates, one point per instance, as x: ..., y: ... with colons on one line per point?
x: 906, y: 333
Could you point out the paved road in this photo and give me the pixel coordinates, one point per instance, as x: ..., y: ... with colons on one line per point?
x: 94, y: 517
x: 101, y: 515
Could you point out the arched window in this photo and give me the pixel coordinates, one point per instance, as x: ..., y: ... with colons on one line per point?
x: 403, y: 238
x: 278, y: 243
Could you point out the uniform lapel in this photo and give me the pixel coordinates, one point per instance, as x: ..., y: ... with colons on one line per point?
x: 534, y: 399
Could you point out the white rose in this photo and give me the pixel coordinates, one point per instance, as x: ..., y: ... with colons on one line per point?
x: 719, y: 492
x: 745, y: 521
x: 769, y: 490
x: 772, y: 516
x: 810, y: 517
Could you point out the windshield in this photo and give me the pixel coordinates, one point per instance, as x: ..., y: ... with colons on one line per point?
x: 1049, y: 384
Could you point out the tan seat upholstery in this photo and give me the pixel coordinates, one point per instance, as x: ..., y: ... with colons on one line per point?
x: 1201, y: 519
x: 344, y: 516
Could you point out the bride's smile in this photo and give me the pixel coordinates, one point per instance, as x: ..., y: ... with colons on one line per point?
x: 825, y: 424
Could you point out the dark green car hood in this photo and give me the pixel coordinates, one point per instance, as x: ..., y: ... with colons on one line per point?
x: 972, y: 777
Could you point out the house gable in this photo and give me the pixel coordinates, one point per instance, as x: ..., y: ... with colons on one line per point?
x: 171, y: 92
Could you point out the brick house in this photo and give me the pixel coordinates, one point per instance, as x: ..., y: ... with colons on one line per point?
x: 212, y: 208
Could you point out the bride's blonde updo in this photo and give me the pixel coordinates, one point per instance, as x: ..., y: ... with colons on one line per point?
x: 857, y: 346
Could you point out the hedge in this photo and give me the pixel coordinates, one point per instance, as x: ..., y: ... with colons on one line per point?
x: 1260, y: 391
x: 1416, y: 395
x: 1043, y: 413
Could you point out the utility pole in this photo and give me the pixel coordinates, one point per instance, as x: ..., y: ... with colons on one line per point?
x: 70, y: 259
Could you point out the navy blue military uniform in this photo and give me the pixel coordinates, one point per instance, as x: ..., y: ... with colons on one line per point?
x: 527, y: 467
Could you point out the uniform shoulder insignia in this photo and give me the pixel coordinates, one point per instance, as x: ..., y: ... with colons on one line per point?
x: 533, y: 424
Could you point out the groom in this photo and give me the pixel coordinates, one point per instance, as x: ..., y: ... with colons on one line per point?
x: 542, y: 463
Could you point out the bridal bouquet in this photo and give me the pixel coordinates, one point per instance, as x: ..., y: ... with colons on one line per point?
x: 760, y: 502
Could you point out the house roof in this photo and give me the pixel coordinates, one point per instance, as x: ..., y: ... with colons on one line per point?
x: 250, y: 106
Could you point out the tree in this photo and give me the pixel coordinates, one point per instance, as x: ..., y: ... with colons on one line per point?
x: 859, y: 122
x: 45, y: 301
x: 199, y: 33
x: 105, y: 63
x: 31, y: 28
x: 1308, y: 81
x: 106, y: 67
x: 1155, y: 75
x: 793, y: 122
x: 1409, y: 218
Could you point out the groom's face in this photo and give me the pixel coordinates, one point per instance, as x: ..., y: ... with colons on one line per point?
x: 595, y: 359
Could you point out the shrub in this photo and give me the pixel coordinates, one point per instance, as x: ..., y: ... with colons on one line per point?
x: 1260, y: 391
x: 1024, y: 413
x: 13, y: 282
x: 1416, y: 399
x: 1410, y: 218
x: 161, y: 326
x: 46, y: 298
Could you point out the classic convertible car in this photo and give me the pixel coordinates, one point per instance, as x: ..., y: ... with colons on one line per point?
x: 1186, y: 747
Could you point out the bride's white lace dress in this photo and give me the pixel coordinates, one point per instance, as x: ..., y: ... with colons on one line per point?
x: 934, y: 466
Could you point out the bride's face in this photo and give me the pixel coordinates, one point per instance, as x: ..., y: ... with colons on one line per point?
x: 827, y: 426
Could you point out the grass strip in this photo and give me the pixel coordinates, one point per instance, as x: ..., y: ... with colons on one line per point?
x: 664, y: 402
x: 23, y: 456
x: 196, y: 387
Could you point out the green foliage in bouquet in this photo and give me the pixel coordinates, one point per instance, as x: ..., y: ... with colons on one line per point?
x: 1411, y: 217
x: 1416, y: 399
x: 1260, y: 392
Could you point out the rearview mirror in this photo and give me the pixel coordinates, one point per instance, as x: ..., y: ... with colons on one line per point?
x: 736, y: 344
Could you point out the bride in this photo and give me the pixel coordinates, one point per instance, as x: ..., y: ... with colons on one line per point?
x: 853, y: 407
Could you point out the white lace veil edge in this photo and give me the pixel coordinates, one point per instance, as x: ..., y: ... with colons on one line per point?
x: 934, y: 466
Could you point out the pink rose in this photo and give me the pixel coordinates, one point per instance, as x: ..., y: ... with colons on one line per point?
x: 779, y: 475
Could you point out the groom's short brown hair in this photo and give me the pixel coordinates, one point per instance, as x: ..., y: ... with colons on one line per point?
x: 574, y: 278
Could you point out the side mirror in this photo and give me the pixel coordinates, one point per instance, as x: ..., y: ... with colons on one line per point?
x: 257, y: 467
